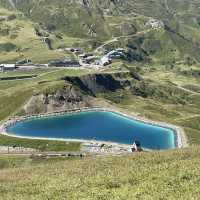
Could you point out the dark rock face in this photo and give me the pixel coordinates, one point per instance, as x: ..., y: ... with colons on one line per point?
x: 48, y: 43
x: 95, y: 83
x: 80, y: 91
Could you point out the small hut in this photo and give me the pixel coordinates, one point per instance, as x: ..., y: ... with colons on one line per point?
x: 136, y: 146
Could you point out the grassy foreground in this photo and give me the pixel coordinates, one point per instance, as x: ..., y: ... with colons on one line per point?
x: 158, y: 175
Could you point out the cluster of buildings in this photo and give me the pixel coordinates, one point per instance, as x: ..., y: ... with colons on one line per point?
x: 114, y: 54
x: 104, y: 61
x: 82, y: 59
x: 87, y: 58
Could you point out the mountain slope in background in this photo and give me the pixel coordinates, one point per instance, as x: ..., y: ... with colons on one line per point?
x: 91, y: 23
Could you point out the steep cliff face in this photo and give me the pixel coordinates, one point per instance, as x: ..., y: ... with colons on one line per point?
x: 121, y: 86
x: 83, y: 91
x: 96, y: 83
x: 78, y: 92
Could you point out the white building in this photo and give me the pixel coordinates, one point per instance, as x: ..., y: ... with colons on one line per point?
x: 115, y: 54
x: 7, y: 67
x: 105, y: 61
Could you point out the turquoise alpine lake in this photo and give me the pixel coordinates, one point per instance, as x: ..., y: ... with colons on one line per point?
x: 96, y: 125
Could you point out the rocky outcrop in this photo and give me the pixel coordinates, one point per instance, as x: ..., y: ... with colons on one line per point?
x: 67, y: 98
x: 97, y: 83
x: 80, y: 92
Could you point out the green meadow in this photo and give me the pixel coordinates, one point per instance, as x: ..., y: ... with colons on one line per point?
x: 157, y: 175
x: 167, y: 59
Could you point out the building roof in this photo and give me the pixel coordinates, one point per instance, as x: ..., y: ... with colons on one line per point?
x: 8, y: 65
x: 105, y: 59
x: 120, y: 49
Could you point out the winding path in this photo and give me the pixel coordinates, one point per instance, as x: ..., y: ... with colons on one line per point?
x: 12, y: 3
x: 187, y: 90
x: 115, y: 39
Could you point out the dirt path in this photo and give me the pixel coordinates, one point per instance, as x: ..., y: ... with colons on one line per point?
x: 45, y: 73
x: 105, y: 44
x: 188, y: 117
x: 12, y: 3
x: 187, y: 90
x: 120, y: 37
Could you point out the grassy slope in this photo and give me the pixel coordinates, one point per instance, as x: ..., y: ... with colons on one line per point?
x: 164, y: 175
x: 166, y: 98
x: 123, y: 18
x: 28, y: 44
x: 26, y: 39
x: 168, y: 175
x: 14, y: 94
x: 186, y: 116
x: 155, y: 107
x: 11, y: 91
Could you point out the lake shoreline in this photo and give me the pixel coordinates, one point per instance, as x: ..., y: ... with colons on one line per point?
x: 180, y: 137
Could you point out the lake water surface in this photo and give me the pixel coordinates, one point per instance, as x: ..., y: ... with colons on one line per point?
x: 98, y: 125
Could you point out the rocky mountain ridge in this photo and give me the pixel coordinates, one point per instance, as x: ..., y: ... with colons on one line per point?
x: 83, y: 91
